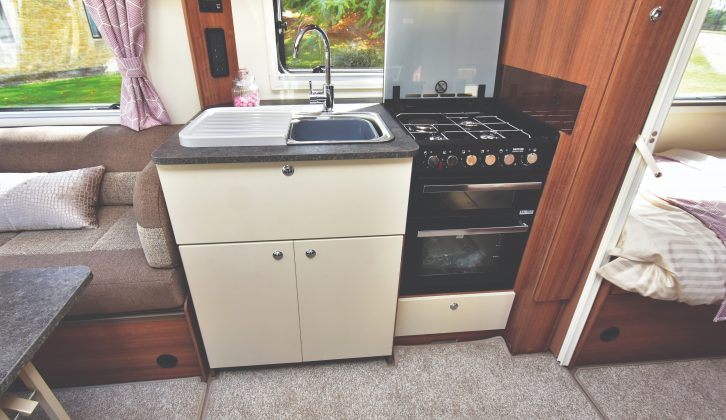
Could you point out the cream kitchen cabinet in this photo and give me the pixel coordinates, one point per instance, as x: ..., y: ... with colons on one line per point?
x: 283, y: 302
x: 347, y: 292
x: 291, y: 261
x: 245, y: 296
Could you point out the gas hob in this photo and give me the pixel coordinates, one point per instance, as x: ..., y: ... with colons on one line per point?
x: 461, y: 126
x: 470, y: 141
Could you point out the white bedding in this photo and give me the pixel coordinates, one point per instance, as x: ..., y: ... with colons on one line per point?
x: 666, y: 253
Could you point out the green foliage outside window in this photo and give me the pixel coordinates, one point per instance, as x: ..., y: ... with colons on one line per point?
x: 355, y: 28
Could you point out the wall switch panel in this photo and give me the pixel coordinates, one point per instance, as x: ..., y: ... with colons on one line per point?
x: 214, y: 6
x: 217, y: 52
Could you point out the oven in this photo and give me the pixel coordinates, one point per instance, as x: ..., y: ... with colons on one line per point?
x: 467, y: 234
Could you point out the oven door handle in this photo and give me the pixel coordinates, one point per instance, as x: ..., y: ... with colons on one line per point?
x: 513, y: 186
x: 520, y: 228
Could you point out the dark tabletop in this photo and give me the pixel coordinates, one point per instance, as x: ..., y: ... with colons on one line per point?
x: 32, y: 303
x: 173, y: 153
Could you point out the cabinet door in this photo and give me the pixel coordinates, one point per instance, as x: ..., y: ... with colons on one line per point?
x: 246, y: 302
x: 347, y: 295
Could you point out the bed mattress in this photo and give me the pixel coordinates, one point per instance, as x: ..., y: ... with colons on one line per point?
x: 673, y: 246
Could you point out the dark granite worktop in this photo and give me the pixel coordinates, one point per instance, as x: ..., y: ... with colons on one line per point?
x: 172, y: 153
x: 32, y: 303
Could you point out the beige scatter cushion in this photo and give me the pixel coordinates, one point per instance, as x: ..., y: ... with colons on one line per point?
x: 58, y: 200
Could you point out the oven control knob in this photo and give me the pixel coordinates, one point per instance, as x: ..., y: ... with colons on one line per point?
x: 490, y: 159
x: 508, y: 159
x: 433, y: 161
x: 452, y: 161
x: 531, y: 158
x: 471, y: 160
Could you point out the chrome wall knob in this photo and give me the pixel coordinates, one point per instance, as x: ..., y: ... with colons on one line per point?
x: 656, y: 13
x: 288, y: 170
x: 454, y: 306
x: 311, y: 253
x: 277, y: 255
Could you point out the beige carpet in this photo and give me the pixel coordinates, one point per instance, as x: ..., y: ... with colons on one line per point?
x: 177, y: 399
x: 460, y: 380
x: 694, y: 389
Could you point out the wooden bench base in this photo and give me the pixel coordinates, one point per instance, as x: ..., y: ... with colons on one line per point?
x: 631, y: 328
x: 104, y: 351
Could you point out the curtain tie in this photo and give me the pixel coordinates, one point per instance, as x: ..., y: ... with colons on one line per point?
x: 131, y: 67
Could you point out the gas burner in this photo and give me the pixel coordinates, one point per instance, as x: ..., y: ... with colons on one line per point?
x: 469, y: 123
x: 437, y: 137
x: 424, y: 129
x: 488, y: 136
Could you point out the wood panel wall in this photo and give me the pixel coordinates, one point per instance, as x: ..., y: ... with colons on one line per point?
x: 212, y: 90
x: 613, y: 49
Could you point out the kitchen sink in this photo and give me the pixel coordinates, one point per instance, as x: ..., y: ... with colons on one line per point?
x: 278, y: 126
x: 344, y: 127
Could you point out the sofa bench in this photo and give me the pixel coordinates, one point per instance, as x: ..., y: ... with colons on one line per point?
x: 138, y: 290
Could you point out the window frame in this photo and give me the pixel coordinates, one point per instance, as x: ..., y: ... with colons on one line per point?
x: 281, y: 27
x: 292, y: 85
x: 63, y: 114
x: 700, y: 100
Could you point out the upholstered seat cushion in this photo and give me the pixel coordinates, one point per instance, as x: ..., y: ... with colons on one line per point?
x: 123, y: 282
x: 116, y: 231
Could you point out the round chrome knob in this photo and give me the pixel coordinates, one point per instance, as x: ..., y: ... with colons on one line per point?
x: 471, y: 160
x: 508, y: 159
x: 454, y: 306
x: 532, y: 158
x: 277, y: 255
x: 310, y: 253
x: 490, y: 159
x: 433, y: 161
x: 452, y: 161
x: 288, y: 170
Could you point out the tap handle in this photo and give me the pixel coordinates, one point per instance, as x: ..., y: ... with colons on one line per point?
x: 314, y: 92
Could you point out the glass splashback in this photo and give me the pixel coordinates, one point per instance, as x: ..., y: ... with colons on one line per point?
x: 455, y: 41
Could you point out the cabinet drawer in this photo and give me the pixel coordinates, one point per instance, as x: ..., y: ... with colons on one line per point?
x: 434, y: 314
x: 256, y: 202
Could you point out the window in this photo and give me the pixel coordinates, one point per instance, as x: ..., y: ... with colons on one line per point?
x: 95, y: 33
x: 8, y: 35
x: 58, y: 63
x: 705, y: 76
x: 355, y: 29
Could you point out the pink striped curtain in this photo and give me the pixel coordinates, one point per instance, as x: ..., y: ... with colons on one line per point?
x: 121, y: 23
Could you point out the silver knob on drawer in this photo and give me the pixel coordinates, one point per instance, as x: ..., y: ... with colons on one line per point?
x: 288, y: 170
x: 277, y: 255
x: 454, y: 306
x: 311, y: 253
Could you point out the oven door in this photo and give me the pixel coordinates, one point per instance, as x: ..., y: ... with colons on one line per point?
x: 518, y: 199
x: 462, y: 255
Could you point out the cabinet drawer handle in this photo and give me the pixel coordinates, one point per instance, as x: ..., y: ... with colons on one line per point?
x: 288, y: 170
x: 454, y: 306
x: 277, y: 255
x: 311, y: 253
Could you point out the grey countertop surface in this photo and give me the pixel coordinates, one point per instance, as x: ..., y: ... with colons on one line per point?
x: 172, y: 153
x: 32, y: 303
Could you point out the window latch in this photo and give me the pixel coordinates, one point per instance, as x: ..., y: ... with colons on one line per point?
x: 281, y: 26
x: 647, y: 155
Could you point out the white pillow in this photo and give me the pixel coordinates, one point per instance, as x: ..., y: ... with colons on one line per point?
x: 58, y: 200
